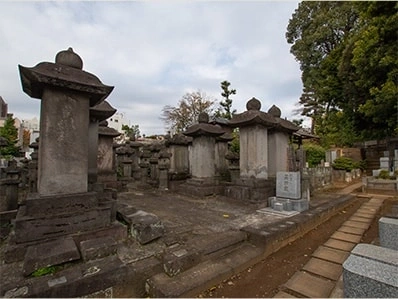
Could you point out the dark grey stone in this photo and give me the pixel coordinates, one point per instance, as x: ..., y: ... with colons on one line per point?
x: 50, y: 254
x: 145, y: 227
x: 371, y: 271
x: 388, y: 232
x: 98, y: 248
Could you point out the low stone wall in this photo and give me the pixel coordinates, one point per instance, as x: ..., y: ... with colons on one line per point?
x: 321, y: 177
x: 371, y: 183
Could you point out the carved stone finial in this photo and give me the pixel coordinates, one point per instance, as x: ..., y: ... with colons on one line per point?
x: 69, y: 58
x: 253, y: 104
x: 275, y: 111
x: 203, y: 117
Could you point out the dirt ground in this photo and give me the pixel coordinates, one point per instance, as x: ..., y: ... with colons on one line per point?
x: 265, y: 278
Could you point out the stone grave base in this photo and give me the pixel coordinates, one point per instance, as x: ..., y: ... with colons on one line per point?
x: 45, y: 217
x: 199, y: 187
x: 251, y: 189
x: 286, y: 204
x: 106, y: 277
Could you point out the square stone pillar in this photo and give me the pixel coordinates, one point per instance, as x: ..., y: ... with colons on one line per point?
x: 278, y: 146
x: 203, y: 157
x: 253, y: 152
x: 63, y: 143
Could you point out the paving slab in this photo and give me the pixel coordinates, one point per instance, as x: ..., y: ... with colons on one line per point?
x: 352, y: 230
x: 371, y: 207
x: 310, y: 285
x: 324, y: 268
x: 367, y: 211
x: 346, y: 237
x: 356, y: 224
x: 360, y: 219
x: 364, y: 215
x: 376, y: 200
x: 282, y: 294
x: 330, y: 254
x: 338, y: 244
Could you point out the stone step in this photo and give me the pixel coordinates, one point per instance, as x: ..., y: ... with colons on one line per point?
x: 179, y: 258
x: 204, y: 275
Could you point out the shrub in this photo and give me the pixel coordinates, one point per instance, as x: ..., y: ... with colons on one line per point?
x: 314, y: 153
x: 345, y: 163
x: 384, y: 174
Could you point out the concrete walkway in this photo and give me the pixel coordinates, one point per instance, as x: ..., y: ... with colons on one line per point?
x: 321, y: 277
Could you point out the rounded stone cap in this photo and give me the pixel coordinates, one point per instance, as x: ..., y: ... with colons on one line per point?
x: 69, y: 58
x: 203, y: 117
x: 253, y: 104
x: 275, y: 111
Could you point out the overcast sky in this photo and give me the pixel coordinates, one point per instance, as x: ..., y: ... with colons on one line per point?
x: 154, y: 52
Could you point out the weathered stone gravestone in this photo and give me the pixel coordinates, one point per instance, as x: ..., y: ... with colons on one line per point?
x: 288, y: 185
x: 290, y: 197
x: 203, y: 158
x: 63, y: 221
x: 264, y: 143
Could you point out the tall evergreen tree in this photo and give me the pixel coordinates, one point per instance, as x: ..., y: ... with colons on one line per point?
x: 226, y: 105
x: 348, y: 57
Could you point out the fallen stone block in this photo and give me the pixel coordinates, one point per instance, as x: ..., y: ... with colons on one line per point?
x: 145, y: 227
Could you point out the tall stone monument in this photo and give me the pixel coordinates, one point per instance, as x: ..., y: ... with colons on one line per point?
x: 203, y: 167
x: 62, y: 207
x: 263, y: 151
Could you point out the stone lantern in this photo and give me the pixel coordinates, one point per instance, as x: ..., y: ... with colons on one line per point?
x: 263, y: 141
x: 66, y: 92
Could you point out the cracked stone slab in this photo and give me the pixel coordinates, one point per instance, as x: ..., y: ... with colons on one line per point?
x: 49, y: 254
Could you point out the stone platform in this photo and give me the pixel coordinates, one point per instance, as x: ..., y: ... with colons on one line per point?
x: 205, y: 240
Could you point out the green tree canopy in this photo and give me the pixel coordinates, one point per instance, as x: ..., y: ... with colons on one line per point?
x: 132, y: 132
x: 10, y: 133
x: 348, y: 56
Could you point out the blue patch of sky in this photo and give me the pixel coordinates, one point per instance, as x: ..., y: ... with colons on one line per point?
x: 223, y: 56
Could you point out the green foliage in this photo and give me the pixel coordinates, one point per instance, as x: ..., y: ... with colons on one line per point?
x: 226, y: 106
x: 10, y: 133
x: 44, y: 271
x: 314, y: 153
x: 345, y: 163
x: 348, y: 57
x: 235, y: 143
x: 384, y: 174
x: 133, y: 132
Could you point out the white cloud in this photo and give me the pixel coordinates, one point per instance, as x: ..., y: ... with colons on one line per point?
x: 153, y: 52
